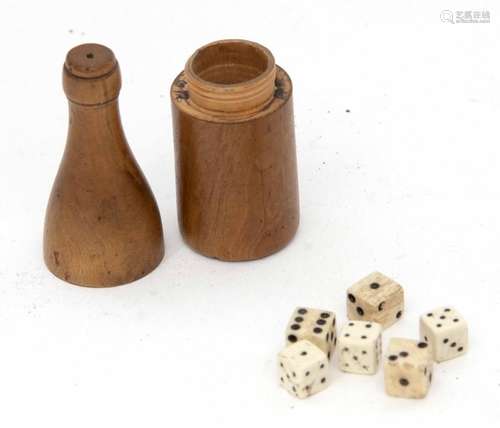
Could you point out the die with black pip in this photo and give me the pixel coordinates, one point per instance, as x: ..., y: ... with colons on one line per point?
x: 375, y: 298
x: 315, y: 325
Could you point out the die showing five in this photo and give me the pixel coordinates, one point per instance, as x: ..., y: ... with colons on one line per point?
x: 445, y: 330
x: 360, y: 346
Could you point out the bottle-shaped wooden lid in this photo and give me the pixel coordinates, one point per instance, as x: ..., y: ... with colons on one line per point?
x: 102, y: 226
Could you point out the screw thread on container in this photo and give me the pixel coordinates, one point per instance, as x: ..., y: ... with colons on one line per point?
x: 235, y: 77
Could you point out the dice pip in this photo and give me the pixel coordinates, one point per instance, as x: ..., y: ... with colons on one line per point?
x: 303, y: 369
x: 315, y: 325
x: 359, y: 345
x: 408, y: 368
x: 375, y: 298
x: 445, y: 330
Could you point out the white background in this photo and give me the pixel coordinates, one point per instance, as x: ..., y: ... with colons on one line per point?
x: 406, y: 183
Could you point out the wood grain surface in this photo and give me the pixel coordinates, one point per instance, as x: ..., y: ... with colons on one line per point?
x: 102, y: 225
x: 237, y: 188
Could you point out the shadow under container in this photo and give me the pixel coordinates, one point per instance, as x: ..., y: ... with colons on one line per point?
x: 236, y: 167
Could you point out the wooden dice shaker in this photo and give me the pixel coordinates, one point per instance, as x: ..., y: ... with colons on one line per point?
x: 237, y: 189
x: 102, y: 225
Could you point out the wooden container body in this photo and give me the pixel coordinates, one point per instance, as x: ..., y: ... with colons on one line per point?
x: 237, y: 187
x: 102, y: 225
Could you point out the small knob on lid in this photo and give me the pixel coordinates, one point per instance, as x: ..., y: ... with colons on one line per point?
x: 91, y: 75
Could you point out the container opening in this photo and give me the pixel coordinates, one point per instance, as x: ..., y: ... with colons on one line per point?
x: 231, y: 62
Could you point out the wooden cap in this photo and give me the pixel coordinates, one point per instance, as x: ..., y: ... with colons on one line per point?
x: 231, y: 76
x: 91, y: 75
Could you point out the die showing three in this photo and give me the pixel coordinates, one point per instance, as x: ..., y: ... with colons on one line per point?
x: 303, y: 369
x: 408, y: 368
